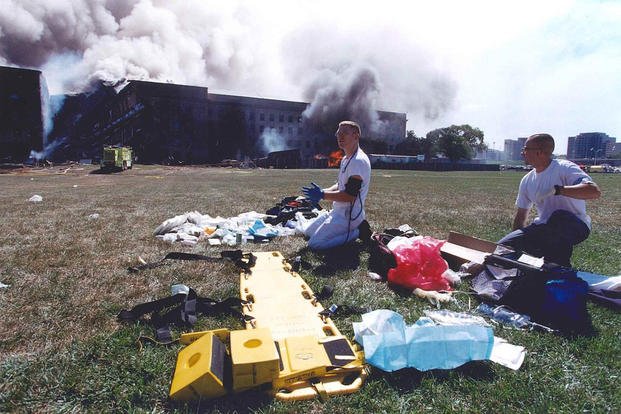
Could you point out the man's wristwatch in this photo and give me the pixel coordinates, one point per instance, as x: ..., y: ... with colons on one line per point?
x: 557, y: 189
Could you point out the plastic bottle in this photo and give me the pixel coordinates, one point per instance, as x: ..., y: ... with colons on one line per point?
x: 504, y: 315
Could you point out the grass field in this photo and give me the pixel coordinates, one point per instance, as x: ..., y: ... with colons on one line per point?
x: 62, y: 350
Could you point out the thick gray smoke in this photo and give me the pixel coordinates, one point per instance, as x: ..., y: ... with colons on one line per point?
x: 229, y: 46
x: 359, y: 73
x: 351, y: 94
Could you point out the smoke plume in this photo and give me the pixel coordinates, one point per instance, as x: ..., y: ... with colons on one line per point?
x: 364, y: 72
x: 231, y: 46
x: 48, y: 150
x: 270, y: 141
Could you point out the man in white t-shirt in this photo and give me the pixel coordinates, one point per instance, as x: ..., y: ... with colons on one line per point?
x: 558, y: 189
x: 341, y: 224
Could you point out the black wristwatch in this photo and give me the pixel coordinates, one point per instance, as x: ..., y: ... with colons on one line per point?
x: 557, y: 189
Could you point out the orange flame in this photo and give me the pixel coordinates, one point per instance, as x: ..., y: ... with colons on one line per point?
x: 334, y: 160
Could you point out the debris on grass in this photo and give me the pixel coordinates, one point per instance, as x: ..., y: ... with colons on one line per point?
x: 191, y: 227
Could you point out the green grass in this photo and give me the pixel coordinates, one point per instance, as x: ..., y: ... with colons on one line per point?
x: 62, y: 350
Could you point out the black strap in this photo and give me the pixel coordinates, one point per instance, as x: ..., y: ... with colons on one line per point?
x: 155, y: 306
x: 297, y: 263
x: 242, y: 260
x: 342, y: 310
x: 182, y: 310
x: 326, y: 293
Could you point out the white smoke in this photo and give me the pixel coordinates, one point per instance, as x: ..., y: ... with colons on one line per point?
x: 50, y: 105
x: 47, y: 151
x: 235, y: 46
x: 270, y: 141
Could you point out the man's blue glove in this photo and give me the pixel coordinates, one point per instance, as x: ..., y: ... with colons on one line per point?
x: 314, y: 193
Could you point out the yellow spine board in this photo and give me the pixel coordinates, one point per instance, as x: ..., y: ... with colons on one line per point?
x: 200, y: 370
x: 254, y: 359
x: 287, y: 344
x: 315, y: 359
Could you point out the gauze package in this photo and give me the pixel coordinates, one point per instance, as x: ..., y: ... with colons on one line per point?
x: 391, y: 345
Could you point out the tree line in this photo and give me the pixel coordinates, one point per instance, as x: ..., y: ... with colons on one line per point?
x: 456, y: 142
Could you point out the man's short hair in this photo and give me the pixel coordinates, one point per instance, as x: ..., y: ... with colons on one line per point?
x: 545, y: 141
x: 353, y: 126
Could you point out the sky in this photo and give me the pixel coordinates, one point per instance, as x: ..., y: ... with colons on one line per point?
x: 510, y: 68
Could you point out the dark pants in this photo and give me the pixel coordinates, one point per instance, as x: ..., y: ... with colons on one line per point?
x: 554, y: 240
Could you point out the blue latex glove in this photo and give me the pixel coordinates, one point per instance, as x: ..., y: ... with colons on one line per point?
x: 314, y: 193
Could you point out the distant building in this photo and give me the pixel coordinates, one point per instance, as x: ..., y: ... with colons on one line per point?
x: 391, y: 130
x: 255, y: 126
x: 384, y: 159
x: 22, y: 101
x: 590, y: 145
x: 260, y: 126
x: 513, y: 148
x: 163, y: 122
x: 491, y: 155
x: 168, y: 123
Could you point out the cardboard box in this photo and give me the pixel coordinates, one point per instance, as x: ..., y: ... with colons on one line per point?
x: 460, y: 248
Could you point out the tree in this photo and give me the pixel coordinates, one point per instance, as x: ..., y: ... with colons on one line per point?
x: 373, y: 146
x: 458, y: 142
x: 414, y: 145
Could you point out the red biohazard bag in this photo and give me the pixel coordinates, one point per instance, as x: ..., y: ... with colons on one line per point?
x: 419, y: 265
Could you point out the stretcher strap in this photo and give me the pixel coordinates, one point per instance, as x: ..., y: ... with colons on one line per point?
x: 242, y: 260
x: 182, y: 310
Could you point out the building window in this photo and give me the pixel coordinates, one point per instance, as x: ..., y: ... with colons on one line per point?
x: 251, y: 116
x: 290, y: 118
x: 307, y: 144
x: 280, y: 130
x: 290, y: 130
x: 271, y: 117
x: 262, y: 128
x: 281, y: 118
x: 261, y: 116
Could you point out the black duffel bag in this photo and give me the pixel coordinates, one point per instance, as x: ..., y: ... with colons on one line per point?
x: 552, y: 295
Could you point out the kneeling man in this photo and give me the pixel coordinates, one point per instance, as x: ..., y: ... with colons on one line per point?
x: 558, y: 189
x: 341, y: 224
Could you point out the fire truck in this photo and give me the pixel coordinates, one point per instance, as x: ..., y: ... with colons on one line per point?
x: 115, y: 157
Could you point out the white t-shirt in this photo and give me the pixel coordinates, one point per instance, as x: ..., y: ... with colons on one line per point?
x: 359, y: 165
x: 535, y: 185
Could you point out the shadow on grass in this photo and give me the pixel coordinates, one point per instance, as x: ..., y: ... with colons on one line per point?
x: 337, y: 259
x: 409, y: 379
x: 105, y: 171
x: 246, y: 402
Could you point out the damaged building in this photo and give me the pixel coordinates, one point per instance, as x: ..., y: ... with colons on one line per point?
x: 22, y: 101
x: 167, y: 123
x: 164, y: 123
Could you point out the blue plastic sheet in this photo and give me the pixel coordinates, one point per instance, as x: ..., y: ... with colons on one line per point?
x: 391, y: 345
x: 260, y: 230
